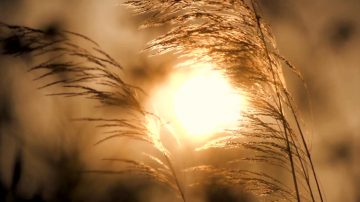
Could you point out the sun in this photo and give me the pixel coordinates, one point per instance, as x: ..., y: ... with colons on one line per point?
x: 199, y: 102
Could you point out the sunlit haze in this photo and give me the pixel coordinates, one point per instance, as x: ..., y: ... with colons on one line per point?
x: 199, y: 102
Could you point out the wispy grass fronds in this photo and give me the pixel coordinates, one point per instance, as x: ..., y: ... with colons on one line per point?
x: 87, y: 72
x: 257, y: 183
x: 231, y: 35
x: 77, y: 67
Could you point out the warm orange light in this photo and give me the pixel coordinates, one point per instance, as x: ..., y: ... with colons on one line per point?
x: 199, y: 102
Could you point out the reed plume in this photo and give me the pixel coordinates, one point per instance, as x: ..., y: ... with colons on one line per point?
x: 231, y: 35
x: 87, y: 71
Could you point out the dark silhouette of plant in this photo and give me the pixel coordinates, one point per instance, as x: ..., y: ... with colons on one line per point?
x: 91, y: 73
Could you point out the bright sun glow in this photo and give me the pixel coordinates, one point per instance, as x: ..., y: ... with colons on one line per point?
x: 206, y: 103
x: 199, y: 102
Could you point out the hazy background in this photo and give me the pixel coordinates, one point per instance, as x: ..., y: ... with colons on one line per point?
x: 41, y: 151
